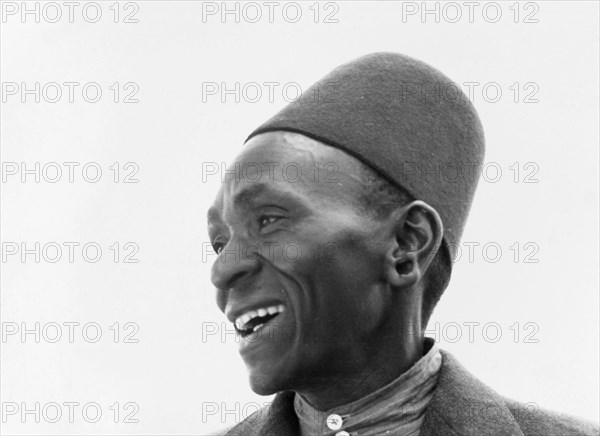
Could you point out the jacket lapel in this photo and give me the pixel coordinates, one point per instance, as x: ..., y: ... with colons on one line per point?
x: 462, y: 405
x: 278, y: 419
x: 281, y: 418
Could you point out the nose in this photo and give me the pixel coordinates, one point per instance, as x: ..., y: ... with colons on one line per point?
x: 236, y: 263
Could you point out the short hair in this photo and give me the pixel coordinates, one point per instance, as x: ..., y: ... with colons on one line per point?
x: 380, y: 197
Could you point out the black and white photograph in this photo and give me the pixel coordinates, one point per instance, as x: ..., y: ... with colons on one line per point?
x: 300, y: 218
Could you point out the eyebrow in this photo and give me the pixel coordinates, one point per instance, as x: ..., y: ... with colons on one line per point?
x: 241, y: 199
x: 246, y: 198
x: 246, y: 195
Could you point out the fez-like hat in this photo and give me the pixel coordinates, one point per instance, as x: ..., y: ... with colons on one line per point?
x: 404, y: 119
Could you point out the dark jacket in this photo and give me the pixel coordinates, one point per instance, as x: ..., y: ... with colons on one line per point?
x: 461, y: 406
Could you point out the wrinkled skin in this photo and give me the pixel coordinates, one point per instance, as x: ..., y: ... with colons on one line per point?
x: 297, y: 238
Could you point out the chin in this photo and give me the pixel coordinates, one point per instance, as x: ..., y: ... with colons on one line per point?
x: 264, y: 383
x: 267, y: 378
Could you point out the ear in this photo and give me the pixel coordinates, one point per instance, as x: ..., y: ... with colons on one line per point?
x: 417, y: 233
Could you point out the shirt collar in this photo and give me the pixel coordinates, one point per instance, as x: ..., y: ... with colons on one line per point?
x: 399, y: 405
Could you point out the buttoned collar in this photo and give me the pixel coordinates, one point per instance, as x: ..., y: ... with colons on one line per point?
x: 396, y: 408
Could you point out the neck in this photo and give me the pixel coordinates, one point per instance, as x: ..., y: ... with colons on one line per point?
x: 343, y: 387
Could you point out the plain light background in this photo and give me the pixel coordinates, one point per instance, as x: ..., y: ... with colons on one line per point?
x: 184, y: 378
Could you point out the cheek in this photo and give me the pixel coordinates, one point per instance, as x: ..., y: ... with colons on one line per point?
x: 340, y: 278
x: 355, y: 257
x: 345, y: 252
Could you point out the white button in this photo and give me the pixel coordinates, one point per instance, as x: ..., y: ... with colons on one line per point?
x: 342, y: 433
x: 334, y: 422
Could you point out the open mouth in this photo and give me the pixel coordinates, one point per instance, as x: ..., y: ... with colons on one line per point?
x: 253, y: 320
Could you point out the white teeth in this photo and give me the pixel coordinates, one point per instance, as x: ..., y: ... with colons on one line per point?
x: 242, y: 320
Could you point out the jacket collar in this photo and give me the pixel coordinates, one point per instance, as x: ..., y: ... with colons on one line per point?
x: 461, y: 406
x: 277, y: 419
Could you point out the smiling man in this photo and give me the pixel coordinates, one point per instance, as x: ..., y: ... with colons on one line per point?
x: 336, y: 229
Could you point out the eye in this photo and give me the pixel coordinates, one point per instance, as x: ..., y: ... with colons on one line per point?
x: 265, y: 220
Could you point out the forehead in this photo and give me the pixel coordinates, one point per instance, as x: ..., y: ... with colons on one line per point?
x: 287, y: 164
x: 285, y: 149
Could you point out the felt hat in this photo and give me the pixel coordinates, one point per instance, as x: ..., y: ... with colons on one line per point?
x: 406, y: 120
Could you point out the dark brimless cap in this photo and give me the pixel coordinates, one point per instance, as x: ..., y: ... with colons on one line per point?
x: 406, y: 120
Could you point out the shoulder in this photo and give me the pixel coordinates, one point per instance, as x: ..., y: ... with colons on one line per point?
x: 536, y: 421
x: 222, y: 432
x: 466, y: 405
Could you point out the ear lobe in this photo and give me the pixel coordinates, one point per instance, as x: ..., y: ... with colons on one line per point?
x: 403, y: 271
x: 418, y: 233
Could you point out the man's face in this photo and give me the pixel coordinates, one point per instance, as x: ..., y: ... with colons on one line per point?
x: 296, y: 251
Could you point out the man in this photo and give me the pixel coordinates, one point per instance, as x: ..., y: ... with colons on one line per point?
x: 336, y: 238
